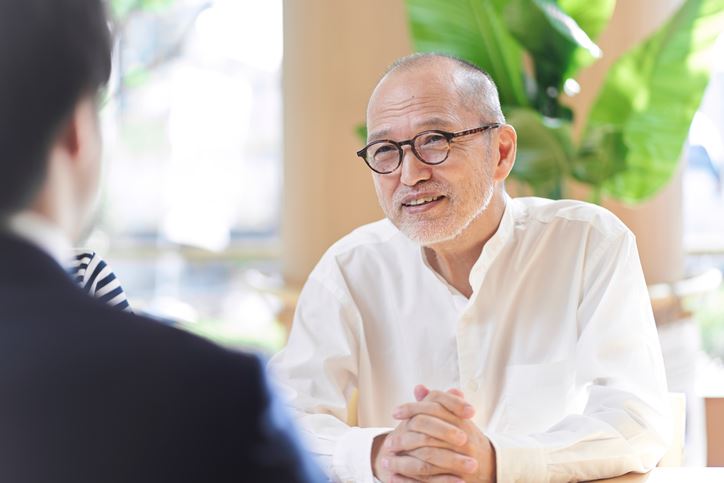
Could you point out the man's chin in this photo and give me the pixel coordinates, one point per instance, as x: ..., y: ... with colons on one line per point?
x: 427, y: 237
x: 424, y: 230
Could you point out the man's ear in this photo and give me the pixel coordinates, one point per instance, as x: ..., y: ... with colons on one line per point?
x: 506, y: 149
x: 67, y: 142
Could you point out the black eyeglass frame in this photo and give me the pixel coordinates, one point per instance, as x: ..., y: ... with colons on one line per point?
x: 362, y: 153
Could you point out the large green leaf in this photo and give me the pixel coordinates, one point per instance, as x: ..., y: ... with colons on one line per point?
x: 600, y: 157
x: 544, y: 151
x: 121, y: 8
x: 591, y: 16
x: 553, y: 39
x: 651, y: 94
x: 472, y: 30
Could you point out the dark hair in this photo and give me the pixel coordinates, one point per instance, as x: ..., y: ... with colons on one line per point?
x: 52, y: 54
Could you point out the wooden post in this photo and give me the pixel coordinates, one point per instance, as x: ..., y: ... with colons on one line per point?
x: 334, y: 53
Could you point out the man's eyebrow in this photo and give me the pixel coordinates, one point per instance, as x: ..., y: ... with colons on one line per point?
x: 379, y: 134
x: 430, y: 122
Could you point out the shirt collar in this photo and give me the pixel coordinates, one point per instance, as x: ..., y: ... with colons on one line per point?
x: 495, y: 244
x: 492, y: 247
x: 42, y: 233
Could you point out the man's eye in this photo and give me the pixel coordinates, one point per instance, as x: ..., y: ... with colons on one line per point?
x: 384, y: 150
x: 433, y: 139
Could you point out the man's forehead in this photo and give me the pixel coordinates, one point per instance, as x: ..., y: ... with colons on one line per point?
x: 416, y: 101
x: 415, y: 85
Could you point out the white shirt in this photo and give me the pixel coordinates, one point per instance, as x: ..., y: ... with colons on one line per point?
x: 43, y: 234
x: 556, y: 348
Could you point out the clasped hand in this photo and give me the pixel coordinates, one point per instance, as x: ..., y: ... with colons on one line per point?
x: 435, y: 441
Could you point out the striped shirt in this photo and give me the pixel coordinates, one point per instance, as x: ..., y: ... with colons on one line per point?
x: 98, y: 280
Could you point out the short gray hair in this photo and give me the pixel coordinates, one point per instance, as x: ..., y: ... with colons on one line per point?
x: 474, y: 86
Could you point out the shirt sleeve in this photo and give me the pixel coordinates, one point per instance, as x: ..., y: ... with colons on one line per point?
x: 94, y: 276
x: 625, y: 424
x: 317, y: 373
x: 276, y: 455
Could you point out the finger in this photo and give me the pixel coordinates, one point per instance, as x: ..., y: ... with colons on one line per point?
x: 446, y: 459
x: 455, y: 404
x: 421, y: 392
x: 403, y: 479
x: 409, y: 410
x: 456, y: 392
x: 409, y: 440
x: 411, y: 467
x: 437, y: 428
x: 444, y: 479
x: 429, y: 479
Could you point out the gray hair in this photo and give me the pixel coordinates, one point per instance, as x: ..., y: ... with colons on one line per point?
x: 474, y: 86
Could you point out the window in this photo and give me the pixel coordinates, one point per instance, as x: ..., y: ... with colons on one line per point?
x: 703, y: 185
x: 704, y: 173
x: 193, y: 146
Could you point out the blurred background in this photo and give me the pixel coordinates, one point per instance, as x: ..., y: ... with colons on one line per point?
x: 231, y: 127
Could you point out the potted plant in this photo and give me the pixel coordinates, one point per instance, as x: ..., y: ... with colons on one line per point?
x: 634, y: 134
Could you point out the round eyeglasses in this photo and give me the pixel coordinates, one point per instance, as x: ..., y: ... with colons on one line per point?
x: 430, y: 147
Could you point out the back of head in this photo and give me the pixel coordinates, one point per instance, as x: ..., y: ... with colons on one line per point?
x: 52, y: 54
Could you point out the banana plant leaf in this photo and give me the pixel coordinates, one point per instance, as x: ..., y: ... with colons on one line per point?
x: 472, y: 30
x: 554, y: 40
x: 591, y: 16
x: 544, y: 152
x: 600, y: 157
x: 649, y: 97
x: 121, y: 8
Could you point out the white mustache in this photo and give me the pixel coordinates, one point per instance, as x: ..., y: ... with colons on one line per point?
x: 436, y: 186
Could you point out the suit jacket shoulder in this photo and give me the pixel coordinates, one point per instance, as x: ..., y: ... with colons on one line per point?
x: 94, y: 394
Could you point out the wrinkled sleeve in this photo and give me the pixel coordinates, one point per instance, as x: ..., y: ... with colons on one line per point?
x: 276, y: 456
x: 317, y: 373
x: 626, y: 423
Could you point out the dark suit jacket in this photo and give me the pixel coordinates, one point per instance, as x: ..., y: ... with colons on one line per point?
x: 92, y: 394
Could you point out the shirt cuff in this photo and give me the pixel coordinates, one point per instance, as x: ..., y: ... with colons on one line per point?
x: 351, y: 459
x: 518, y: 459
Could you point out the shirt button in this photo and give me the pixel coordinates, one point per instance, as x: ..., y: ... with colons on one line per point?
x: 473, y: 386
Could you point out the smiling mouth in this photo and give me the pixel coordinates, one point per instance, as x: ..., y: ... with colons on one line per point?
x: 422, y: 201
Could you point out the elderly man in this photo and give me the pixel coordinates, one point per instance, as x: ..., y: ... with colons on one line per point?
x: 92, y: 394
x: 471, y: 336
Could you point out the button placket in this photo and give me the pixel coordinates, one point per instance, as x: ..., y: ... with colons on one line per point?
x: 471, y: 342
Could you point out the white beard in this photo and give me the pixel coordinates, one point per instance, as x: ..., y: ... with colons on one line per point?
x: 433, y: 232
x: 432, y: 235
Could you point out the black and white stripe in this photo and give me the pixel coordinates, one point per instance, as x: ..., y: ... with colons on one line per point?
x: 96, y: 278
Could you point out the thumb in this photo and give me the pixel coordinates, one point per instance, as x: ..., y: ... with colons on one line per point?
x: 421, y: 392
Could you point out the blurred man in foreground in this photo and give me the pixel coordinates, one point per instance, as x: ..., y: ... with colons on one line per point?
x: 90, y: 393
x: 482, y: 337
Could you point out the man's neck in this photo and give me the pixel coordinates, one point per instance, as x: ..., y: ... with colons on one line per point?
x: 42, y: 232
x: 454, y: 259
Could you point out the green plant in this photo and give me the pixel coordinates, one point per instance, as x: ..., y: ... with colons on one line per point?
x: 122, y: 8
x: 634, y: 134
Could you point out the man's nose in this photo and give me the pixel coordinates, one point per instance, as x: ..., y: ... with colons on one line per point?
x: 413, y: 170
